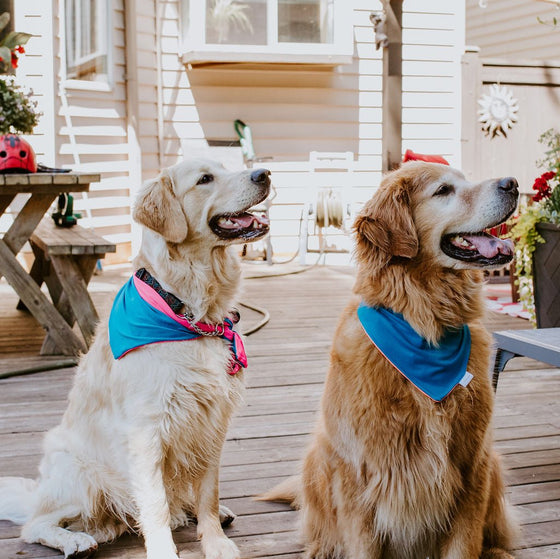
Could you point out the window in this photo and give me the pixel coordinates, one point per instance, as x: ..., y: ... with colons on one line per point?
x: 87, y: 40
x: 267, y: 30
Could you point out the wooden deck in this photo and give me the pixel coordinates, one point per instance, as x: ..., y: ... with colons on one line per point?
x: 288, y: 360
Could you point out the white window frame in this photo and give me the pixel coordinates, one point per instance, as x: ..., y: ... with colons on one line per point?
x: 195, y: 50
x: 103, y: 28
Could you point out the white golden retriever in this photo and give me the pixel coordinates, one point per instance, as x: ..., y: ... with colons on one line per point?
x: 139, y: 444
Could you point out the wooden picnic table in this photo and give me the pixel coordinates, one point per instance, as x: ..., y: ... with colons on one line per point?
x: 44, y: 188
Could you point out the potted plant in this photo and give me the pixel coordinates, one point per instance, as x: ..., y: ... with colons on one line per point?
x: 18, y: 114
x: 18, y: 111
x: 537, y: 236
x: 225, y: 14
x: 11, y: 45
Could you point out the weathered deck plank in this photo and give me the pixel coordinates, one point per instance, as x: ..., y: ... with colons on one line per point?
x: 288, y: 361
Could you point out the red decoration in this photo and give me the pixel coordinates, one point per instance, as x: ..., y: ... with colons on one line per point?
x: 409, y: 155
x: 16, y: 155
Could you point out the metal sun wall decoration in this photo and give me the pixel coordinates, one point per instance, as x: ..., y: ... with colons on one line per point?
x: 498, y: 111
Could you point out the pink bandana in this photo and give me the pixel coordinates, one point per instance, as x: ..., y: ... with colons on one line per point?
x: 140, y: 316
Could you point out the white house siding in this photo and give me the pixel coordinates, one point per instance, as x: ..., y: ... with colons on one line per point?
x: 84, y: 128
x: 149, y: 84
x: 37, y: 70
x: 433, y: 44
x: 293, y: 110
x: 510, y: 29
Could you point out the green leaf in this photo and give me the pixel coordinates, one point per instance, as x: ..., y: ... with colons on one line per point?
x: 13, y: 39
x: 4, y: 20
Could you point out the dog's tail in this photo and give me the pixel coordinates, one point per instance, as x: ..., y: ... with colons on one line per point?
x: 17, y: 498
x: 287, y: 491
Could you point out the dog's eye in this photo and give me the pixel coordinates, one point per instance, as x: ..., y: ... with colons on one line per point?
x: 204, y: 179
x: 444, y: 190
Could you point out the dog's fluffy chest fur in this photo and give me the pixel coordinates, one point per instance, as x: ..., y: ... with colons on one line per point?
x: 183, y: 403
x: 188, y: 396
x: 401, y: 447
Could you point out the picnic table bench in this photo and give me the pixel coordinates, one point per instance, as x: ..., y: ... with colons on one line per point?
x: 65, y: 259
x: 542, y: 344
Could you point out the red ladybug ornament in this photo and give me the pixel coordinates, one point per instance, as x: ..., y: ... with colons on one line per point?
x: 16, y: 155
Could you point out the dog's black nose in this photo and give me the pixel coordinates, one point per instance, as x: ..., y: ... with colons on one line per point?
x: 508, y: 184
x: 260, y: 176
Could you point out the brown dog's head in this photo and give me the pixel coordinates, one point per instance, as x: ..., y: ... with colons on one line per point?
x: 430, y: 211
x: 200, y: 199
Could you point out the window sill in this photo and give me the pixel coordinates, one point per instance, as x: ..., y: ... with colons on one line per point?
x: 203, y: 56
x: 87, y: 85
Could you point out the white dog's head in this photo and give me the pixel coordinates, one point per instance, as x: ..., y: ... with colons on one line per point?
x: 200, y: 199
x: 431, y: 211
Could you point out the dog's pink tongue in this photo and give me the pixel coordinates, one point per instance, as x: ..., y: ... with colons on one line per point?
x: 490, y: 246
x: 246, y: 220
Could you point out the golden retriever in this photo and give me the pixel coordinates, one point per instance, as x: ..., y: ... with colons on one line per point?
x: 391, y: 472
x: 140, y: 441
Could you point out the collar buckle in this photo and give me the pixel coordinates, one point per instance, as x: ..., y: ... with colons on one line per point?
x: 211, y: 330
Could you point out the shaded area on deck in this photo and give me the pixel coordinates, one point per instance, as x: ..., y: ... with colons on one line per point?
x: 288, y: 360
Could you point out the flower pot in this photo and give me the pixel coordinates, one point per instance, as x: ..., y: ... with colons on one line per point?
x: 546, y: 276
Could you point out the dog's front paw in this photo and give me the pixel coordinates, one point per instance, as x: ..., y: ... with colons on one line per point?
x: 220, y: 548
x: 226, y: 516
x: 79, y: 546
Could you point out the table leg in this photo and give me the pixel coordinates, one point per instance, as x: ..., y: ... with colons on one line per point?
x: 39, y: 273
x: 38, y: 303
x: 500, y: 361
x: 74, y: 280
x: 26, y: 222
x: 5, y: 201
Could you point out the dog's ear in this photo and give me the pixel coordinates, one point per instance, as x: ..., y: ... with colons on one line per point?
x: 158, y: 209
x: 385, y: 228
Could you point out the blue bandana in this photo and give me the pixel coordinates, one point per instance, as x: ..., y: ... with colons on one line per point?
x: 134, y: 323
x: 140, y: 317
x: 433, y: 370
